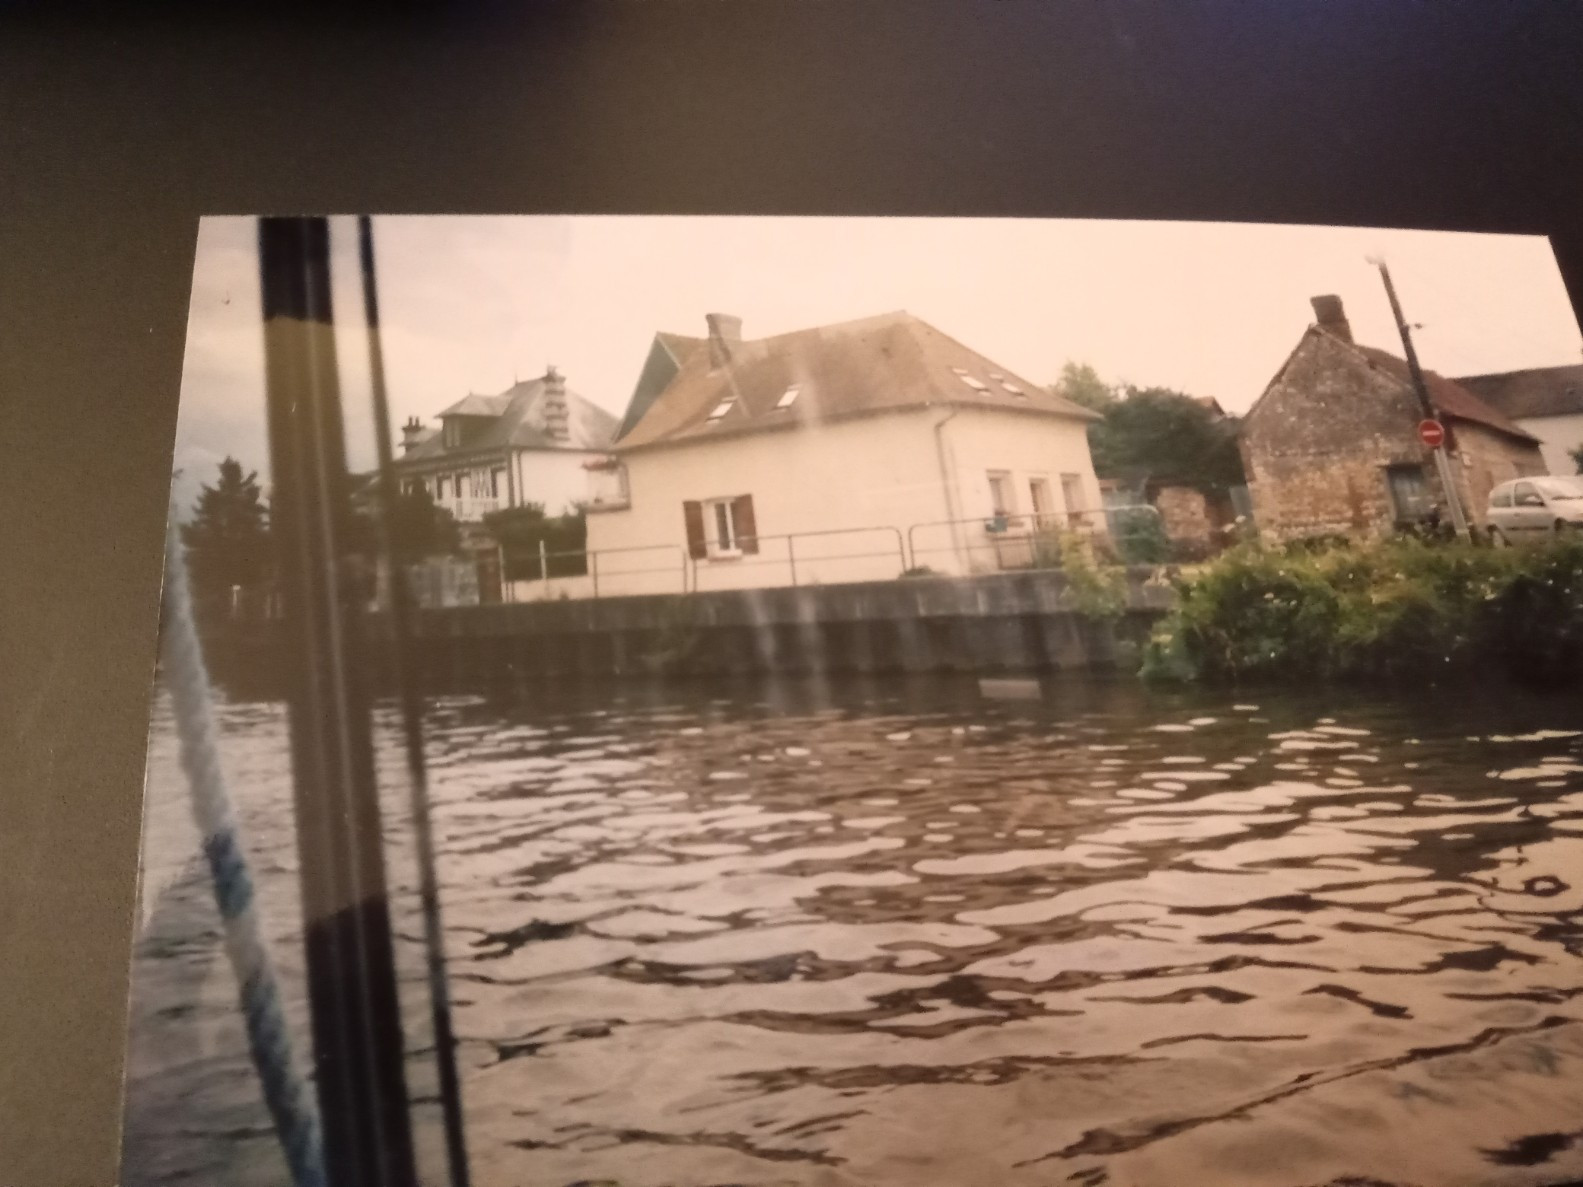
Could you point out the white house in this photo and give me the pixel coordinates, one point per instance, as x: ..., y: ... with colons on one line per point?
x: 841, y: 453
x: 1544, y: 401
x: 526, y: 445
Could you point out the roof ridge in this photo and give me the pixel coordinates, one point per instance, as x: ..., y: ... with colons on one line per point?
x: 849, y: 324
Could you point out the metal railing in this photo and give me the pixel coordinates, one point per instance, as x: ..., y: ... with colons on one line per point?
x: 737, y: 560
x: 1030, y: 541
x: 1016, y: 542
x: 591, y: 569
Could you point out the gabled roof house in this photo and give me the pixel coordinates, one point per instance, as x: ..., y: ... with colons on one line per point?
x: 526, y: 445
x: 883, y: 440
x: 1332, y: 446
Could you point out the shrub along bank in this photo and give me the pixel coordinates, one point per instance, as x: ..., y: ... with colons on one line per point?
x: 1389, y: 610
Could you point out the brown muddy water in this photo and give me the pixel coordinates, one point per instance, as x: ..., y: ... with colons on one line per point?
x: 887, y: 933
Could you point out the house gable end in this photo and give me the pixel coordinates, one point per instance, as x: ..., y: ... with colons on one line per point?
x: 1327, y: 398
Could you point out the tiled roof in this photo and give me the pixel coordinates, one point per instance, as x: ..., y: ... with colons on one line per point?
x: 877, y: 364
x: 516, y: 419
x: 1538, y: 392
x: 1448, y: 396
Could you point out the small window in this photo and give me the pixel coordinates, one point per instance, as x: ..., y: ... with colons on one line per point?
x: 1013, y: 389
x: 1526, y: 494
x: 789, y: 396
x: 1072, y: 495
x: 975, y: 384
x: 1000, y: 498
x: 1039, y: 499
x: 721, y: 409
x: 724, y: 537
x: 720, y: 529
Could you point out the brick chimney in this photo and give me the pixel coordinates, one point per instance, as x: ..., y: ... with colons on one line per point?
x: 410, y: 432
x: 556, y: 413
x: 725, y: 332
x: 1331, y: 317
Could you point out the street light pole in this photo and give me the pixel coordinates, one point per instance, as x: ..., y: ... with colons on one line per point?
x: 1442, y: 459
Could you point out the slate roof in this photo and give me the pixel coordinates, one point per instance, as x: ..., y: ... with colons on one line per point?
x: 515, y: 419
x: 1537, y: 392
x: 874, y: 365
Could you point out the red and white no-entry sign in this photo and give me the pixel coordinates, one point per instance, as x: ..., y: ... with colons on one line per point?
x: 1432, y: 433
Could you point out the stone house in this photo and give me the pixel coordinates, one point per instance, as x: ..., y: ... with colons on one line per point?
x: 837, y: 453
x: 1544, y: 401
x: 1331, y: 446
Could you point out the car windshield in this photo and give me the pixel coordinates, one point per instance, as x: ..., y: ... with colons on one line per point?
x: 1561, y: 488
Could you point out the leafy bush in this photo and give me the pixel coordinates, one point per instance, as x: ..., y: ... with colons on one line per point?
x: 520, y: 531
x: 1091, y: 589
x: 1390, y: 610
x: 1140, y: 537
x: 1535, y: 621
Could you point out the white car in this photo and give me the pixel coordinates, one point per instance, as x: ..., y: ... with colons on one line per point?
x: 1527, y: 509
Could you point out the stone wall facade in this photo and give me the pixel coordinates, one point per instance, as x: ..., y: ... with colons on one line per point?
x: 1186, y: 514
x: 1320, y: 446
x: 1483, y: 459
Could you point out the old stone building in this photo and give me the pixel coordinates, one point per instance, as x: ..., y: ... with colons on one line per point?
x: 1331, y: 447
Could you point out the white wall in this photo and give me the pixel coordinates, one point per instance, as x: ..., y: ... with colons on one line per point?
x: 872, y: 478
x: 1558, y: 437
x: 1027, y: 447
x: 553, y: 477
x: 875, y: 474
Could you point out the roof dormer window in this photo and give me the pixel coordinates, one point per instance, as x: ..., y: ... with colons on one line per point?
x: 789, y: 396
x: 975, y: 384
x: 453, y: 432
x: 722, y: 408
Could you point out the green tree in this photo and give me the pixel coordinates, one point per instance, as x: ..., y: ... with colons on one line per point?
x: 418, y: 526
x: 1170, y: 437
x: 1081, y: 384
x: 520, y: 530
x: 227, y: 539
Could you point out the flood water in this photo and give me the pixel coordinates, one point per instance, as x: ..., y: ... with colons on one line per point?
x: 896, y: 933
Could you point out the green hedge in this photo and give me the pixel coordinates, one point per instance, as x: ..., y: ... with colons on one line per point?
x: 1388, y: 610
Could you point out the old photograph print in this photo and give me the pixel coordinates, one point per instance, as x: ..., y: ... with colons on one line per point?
x: 689, y: 702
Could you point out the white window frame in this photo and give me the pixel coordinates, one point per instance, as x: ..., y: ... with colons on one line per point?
x: 713, y: 510
x: 1004, y: 479
x: 1041, y: 506
x: 1078, y: 508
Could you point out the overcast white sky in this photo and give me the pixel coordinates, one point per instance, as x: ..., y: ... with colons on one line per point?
x: 470, y: 304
